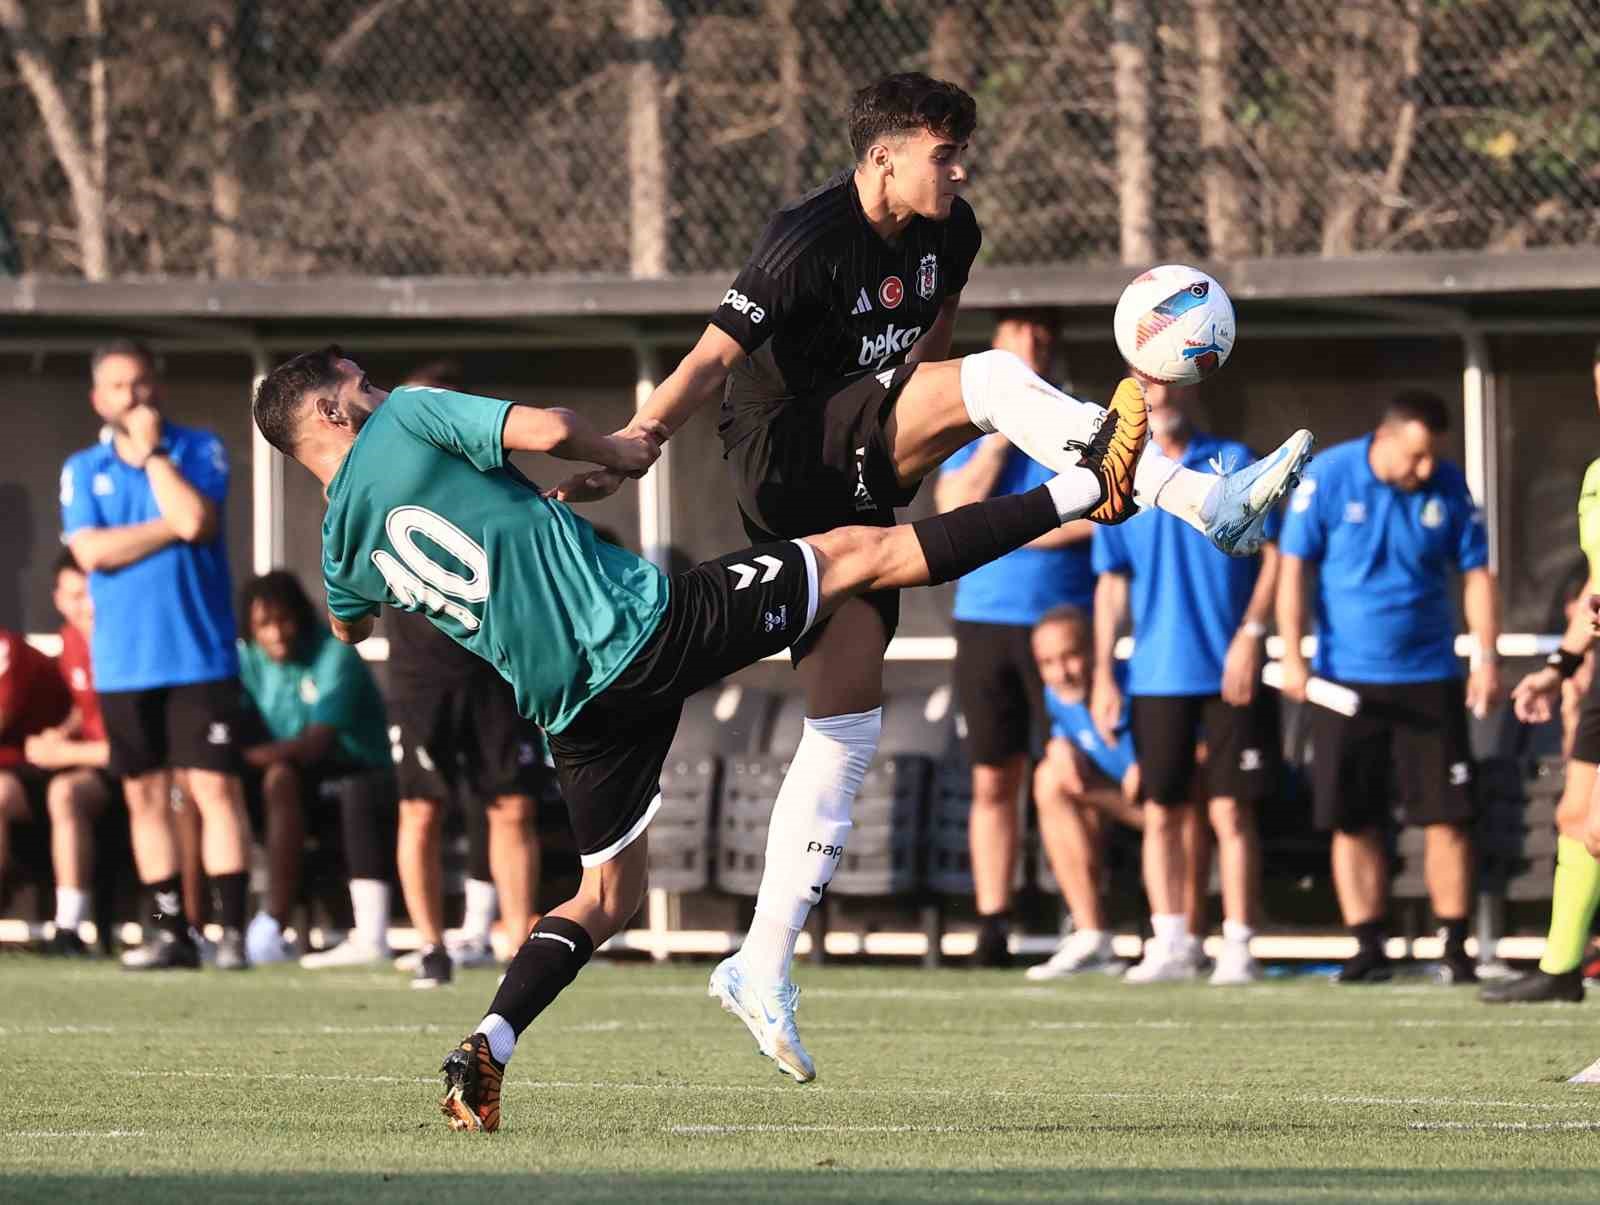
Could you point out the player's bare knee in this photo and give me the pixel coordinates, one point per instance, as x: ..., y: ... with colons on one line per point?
x: 1572, y: 813
x: 419, y: 816
x: 1591, y: 837
x: 62, y: 800
x: 13, y: 801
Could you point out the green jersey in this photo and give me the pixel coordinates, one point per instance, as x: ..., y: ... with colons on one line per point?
x: 325, y: 682
x: 425, y: 515
x: 1589, y: 518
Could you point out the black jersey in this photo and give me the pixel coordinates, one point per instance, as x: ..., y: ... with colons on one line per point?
x: 823, y: 298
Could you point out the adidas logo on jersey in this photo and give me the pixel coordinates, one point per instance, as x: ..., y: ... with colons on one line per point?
x: 863, y: 303
x: 876, y: 349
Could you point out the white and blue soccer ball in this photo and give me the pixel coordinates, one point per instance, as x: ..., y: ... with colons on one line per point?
x: 1174, y: 324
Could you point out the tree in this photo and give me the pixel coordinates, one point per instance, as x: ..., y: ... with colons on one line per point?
x: 81, y: 156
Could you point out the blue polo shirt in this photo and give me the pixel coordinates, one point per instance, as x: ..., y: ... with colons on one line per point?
x: 165, y: 620
x: 1022, y: 585
x: 1072, y: 721
x: 1187, y: 597
x: 1386, y: 557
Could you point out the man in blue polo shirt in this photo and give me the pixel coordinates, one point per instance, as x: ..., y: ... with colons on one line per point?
x: 142, y: 513
x: 998, y: 691
x: 1387, y: 523
x: 1199, y: 620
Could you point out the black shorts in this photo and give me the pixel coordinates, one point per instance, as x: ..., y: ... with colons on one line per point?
x: 466, y: 744
x: 1242, y: 751
x: 999, y: 696
x: 1407, y: 745
x: 1586, y: 738
x: 196, y: 726
x: 824, y: 462
x: 721, y: 616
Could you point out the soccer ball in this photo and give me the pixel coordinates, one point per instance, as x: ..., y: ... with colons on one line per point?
x: 1174, y: 325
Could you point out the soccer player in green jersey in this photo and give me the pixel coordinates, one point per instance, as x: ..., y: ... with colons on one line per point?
x: 1576, y: 891
x: 426, y: 514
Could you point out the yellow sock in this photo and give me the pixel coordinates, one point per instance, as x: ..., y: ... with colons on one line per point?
x: 1572, y: 905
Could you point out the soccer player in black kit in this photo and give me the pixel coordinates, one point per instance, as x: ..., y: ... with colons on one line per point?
x: 830, y: 351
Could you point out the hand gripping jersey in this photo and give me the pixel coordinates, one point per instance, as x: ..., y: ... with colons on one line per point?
x: 823, y: 297
x: 426, y: 515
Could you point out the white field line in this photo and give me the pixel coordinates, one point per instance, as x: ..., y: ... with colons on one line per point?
x: 814, y: 1090
x: 1574, y: 1019
x: 72, y: 1133
x: 716, y: 1130
x: 1519, y: 1127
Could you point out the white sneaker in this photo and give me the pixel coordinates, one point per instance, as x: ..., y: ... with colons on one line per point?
x: 263, y: 941
x: 470, y: 952
x: 767, y: 1014
x: 1085, y: 950
x: 1163, y: 963
x: 351, y: 952
x: 1235, y: 965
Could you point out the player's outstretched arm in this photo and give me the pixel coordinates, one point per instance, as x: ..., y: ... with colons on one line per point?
x: 567, y: 435
x: 697, y: 379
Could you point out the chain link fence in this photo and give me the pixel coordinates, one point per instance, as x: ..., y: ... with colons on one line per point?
x: 289, y: 138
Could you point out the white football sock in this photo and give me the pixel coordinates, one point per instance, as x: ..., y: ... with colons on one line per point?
x: 369, y: 900
x: 1003, y: 394
x: 1171, y: 929
x: 809, y: 827
x: 72, y: 908
x: 482, y: 902
x: 502, y: 1038
x: 1159, y: 481
x: 1237, y: 932
x: 1075, y: 492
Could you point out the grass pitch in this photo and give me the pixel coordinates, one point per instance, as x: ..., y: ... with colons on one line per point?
x: 933, y: 1086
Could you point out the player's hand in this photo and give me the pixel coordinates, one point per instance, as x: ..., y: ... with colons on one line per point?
x: 1296, y: 673
x: 141, y: 425
x: 632, y: 450
x: 1241, y: 669
x: 1484, y: 688
x: 39, y: 748
x: 1532, y: 698
x: 1105, y: 705
x: 587, y: 487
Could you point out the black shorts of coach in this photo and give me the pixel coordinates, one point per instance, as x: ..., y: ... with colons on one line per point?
x: 1407, y: 747
x: 466, y: 744
x: 999, y: 695
x: 824, y: 461
x: 1242, y: 747
x: 1586, y: 738
x: 721, y: 616
x: 193, y: 726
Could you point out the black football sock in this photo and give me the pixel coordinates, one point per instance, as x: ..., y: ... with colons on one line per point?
x: 230, y: 898
x: 1369, y: 935
x: 1455, y: 935
x: 166, y: 905
x: 968, y: 537
x: 368, y: 839
x: 548, y: 961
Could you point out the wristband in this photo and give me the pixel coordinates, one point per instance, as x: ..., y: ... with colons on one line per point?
x: 1564, y: 662
x: 1253, y: 628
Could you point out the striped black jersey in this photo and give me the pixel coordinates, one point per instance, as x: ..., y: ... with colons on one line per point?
x: 824, y: 298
